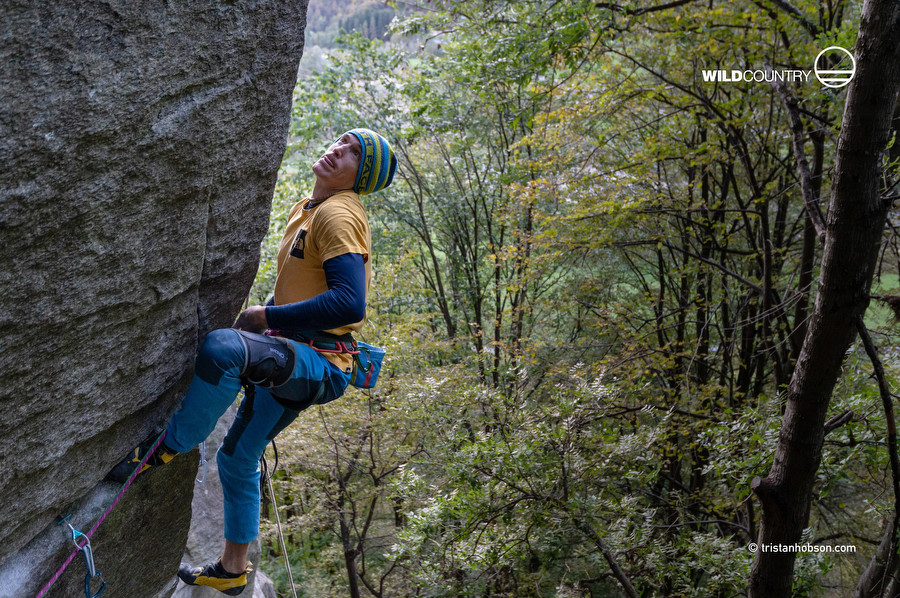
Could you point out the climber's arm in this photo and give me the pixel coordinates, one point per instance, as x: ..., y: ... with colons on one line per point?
x: 343, y: 303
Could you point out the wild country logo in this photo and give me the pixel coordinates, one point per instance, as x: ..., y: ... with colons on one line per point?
x: 834, y: 67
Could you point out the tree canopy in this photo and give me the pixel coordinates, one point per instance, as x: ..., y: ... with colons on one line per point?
x: 600, y: 275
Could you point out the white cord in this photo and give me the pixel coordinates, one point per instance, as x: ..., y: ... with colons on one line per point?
x: 203, y: 462
x: 287, y: 564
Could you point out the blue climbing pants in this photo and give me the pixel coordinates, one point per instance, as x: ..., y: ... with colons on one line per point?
x: 213, y: 389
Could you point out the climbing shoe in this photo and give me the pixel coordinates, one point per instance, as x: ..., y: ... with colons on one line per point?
x: 215, y: 576
x: 121, y: 472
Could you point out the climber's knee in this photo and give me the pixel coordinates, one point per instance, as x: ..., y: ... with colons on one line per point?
x: 222, y: 351
x: 269, y: 360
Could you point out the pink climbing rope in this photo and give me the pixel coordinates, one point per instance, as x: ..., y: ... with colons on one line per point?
x: 118, y: 497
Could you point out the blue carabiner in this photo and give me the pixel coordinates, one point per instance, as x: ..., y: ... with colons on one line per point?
x: 87, y: 587
x: 92, y: 574
x: 88, y: 554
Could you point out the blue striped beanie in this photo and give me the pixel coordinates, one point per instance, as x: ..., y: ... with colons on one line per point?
x: 377, y: 163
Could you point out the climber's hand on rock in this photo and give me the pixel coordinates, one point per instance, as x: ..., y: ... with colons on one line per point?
x: 252, y: 319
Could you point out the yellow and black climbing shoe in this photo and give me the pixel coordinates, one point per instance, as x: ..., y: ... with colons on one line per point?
x: 121, y: 472
x: 215, y: 576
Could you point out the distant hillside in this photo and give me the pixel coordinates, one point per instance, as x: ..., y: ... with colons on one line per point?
x: 326, y: 19
x: 322, y: 13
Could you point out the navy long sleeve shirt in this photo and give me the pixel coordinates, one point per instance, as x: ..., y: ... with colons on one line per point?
x: 343, y: 303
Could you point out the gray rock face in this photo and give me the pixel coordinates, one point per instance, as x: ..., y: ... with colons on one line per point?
x: 132, y: 548
x: 139, y: 145
x: 264, y: 587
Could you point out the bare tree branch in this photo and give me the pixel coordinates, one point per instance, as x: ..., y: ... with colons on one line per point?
x: 797, y: 15
x: 806, y: 182
x: 881, y: 568
x: 642, y: 11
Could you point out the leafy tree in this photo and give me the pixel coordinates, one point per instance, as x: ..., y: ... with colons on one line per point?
x: 853, y: 231
x: 595, y: 273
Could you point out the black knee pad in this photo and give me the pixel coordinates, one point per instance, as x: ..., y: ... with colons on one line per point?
x: 269, y: 360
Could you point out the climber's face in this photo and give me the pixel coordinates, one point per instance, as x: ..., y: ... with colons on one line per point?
x: 338, y: 166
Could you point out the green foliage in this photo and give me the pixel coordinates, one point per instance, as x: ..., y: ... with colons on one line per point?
x: 525, y: 495
x: 593, y: 275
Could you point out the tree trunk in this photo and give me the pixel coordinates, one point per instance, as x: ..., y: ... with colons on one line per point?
x: 854, y: 227
x: 883, y: 564
x: 350, y: 556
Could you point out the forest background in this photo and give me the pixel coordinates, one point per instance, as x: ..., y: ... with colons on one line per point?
x: 593, y: 275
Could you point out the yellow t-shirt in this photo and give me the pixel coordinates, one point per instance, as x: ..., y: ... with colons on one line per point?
x: 334, y: 227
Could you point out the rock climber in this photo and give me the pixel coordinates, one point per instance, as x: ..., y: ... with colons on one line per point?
x: 304, y: 357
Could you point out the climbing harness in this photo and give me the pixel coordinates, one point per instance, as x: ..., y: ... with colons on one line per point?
x: 83, y: 541
x: 268, y: 479
x: 324, y: 342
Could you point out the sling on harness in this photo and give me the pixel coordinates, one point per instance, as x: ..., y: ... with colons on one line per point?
x: 325, y: 342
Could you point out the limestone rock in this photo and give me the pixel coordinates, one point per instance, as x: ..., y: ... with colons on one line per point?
x: 140, y: 142
x: 264, y: 587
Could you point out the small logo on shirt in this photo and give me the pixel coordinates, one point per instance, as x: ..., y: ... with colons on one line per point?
x: 299, y: 244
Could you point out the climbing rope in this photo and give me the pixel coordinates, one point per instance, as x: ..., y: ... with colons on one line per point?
x: 84, y: 548
x: 268, y: 479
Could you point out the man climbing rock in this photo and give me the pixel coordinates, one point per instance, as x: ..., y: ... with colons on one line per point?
x: 304, y: 357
